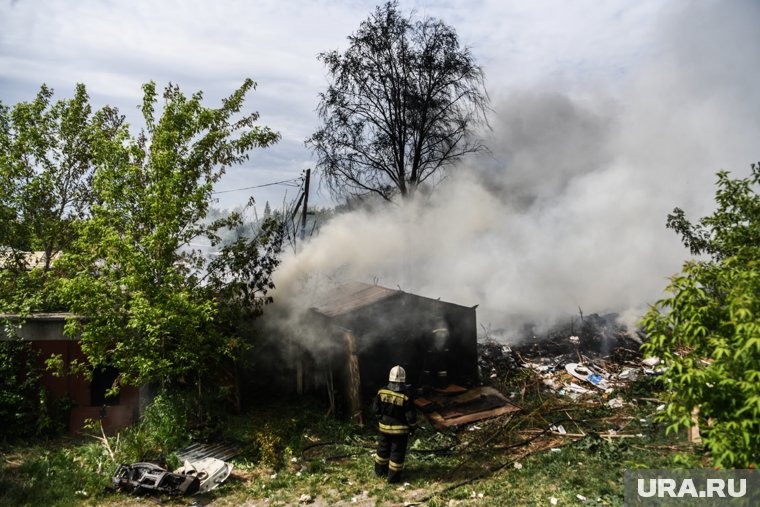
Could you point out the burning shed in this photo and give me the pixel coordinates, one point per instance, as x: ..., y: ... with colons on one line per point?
x: 377, y: 327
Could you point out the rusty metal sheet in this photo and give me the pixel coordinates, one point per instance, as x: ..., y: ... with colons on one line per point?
x: 352, y: 296
x: 473, y: 405
x: 197, y: 451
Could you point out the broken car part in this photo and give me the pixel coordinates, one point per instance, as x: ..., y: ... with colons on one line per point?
x: 140, y: 478
x: 193, y: 477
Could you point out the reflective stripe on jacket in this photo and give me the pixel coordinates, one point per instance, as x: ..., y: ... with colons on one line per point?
x: 396, y: 412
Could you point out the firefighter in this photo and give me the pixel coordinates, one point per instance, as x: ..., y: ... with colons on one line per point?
x: 397, y: 421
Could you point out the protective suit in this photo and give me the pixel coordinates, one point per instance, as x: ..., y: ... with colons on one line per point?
x: 397, y: 420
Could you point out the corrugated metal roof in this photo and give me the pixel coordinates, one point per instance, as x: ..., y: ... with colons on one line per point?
x: 196, y: 451
x: 352, y: 296
x: 40, y: 316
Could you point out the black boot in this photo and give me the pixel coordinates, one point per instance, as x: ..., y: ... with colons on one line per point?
x: 394, y: 472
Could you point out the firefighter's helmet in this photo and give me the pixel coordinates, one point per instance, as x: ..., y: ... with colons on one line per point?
x: 397, y: 374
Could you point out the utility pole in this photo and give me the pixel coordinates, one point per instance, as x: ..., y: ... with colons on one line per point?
x: 305, y: 195
x: 305, y: 203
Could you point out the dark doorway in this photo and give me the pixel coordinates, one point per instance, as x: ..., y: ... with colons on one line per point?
x: 102, y: 381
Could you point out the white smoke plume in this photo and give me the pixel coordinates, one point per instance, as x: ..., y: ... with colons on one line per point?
x: 569, y: 209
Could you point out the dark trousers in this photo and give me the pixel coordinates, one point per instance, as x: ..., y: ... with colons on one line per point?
x: 391, y: 452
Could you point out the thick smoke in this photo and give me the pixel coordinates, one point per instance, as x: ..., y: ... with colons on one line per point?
x: 568, y: 210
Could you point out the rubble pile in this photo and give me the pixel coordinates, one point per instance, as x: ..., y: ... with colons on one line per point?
x: 593, y: 354
x: 598, y: 336
x: 496, y: 360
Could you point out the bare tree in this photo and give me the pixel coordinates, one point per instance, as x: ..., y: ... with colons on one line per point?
x: 402, y: 103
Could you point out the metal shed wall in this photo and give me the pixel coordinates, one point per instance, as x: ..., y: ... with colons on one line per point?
x: 398, y: 330
x: 395, y: 327
x: 45, y: 332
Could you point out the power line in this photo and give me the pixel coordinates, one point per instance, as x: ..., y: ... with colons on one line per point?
x: 259, y: 186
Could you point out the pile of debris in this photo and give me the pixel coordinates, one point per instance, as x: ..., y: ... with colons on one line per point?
x: 204, y: 469
x: 596, y: 354
x: 598, y: 336
x: 197, y: 477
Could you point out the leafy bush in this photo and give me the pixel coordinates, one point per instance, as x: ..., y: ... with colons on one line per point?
x: 707, y: 331
x: 164, y: 428
x: 53, y: 475
x: 62, y: 476
x: 267, y: 444
x: 25, y: 407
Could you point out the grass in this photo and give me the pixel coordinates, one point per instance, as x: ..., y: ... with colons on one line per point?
x: 58, y: 472
x: 292, y: 453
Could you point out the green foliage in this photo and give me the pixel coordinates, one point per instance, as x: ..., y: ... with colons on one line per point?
x: 73, y: 473
x: 164, y: 428
x: 646, y: 386
x: 123, y: 213
x: 152, y: 300
x: 47, y: 163
x: 25, y: 407
x: 20, y: 392
x: 58, y: 476
x: 267, y: 446
x: 707, y: 331
x: 24, y: 291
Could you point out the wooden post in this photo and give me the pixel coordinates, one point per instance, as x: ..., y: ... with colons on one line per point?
x: 330, y: 391
x: 305, y: 204
x: 352, y: 378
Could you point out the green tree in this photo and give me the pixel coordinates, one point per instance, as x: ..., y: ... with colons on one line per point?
x: 155, y: 306
x: 20, y: 394
x: 707, y: 331
x: 46, y: 169
x: 401, y: 106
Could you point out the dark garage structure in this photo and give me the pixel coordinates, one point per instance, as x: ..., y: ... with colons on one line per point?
x: 377, y: 328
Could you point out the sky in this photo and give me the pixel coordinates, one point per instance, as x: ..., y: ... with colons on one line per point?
x: 115, y: 46
x: 606, y: 115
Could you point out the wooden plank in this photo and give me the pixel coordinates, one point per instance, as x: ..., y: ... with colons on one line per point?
x: 352, y: 377
x: 452, y: 389
x: 470, y: 395
x: 423, y: 403
x: 454, y: 410
x: 477, y: 405
x: 440, y: 423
